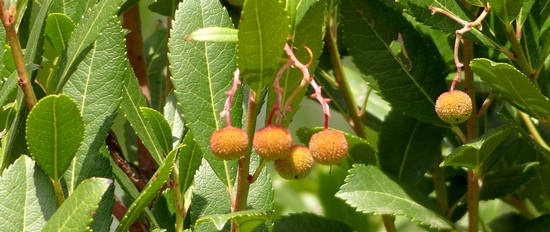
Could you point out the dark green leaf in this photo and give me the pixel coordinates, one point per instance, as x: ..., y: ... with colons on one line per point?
x: 103, y: 215
x: 504, y: 182
x: 536, y: 190
x: 471, y: 155
x: 371, y: 191
x: 262, y: 35
x: 156, y: 48
x: 155, y: 120
x: 506, y: 10
x: 201, y: 74
x: 95, y: 86
x: 190, y: 158
x: 538, y: 224
x: 27, y: 199
x: 164, y: 7
x: 59, y: 28
x: 513, y: 85
x: 164, y: 210
x: 479, y: 3
x: 149, y: 192
x: 75, y: 214
x: 407, y: 147
x: 54, y: 132
x: 409, y: 81
x: 308, y: 223
x: 132, y: 100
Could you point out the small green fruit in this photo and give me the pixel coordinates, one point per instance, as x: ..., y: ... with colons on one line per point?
x: 328, y: 146
x: 272, y: 142
x: 453, y: 107
x: 297, y: 165
x: 229, y: 143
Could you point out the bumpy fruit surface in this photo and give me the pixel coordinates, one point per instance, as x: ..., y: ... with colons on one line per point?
x: 454, y: 106
x: 272, y: 142
x: 328, y: 146
x: 296, y: 165
x: 229, y: 143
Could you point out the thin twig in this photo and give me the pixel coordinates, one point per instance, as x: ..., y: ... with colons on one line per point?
x: 9, y: 18
x: 116, y: 155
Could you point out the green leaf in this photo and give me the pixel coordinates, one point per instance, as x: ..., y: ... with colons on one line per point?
x: 155, y: 120
x: 409, y: 82
x: 90, y: 27
x: 156, y: 48
x: 308, y: 223
x: 262, y: 36
x: 27, y: 199
x: 210, y: 196
x: 504, y: 182
x: 473, y: 154
x: 95, y: 86
x: 164, y: 209
x: 103, y: 215
x: 479, y: 3
x: 255, y: 217
x: 75, y: 214
x: 72, y: 8
x: 538, y: 224
x: 309, y: 32
x: 201, y: 74
x: 513, y: 85
x: 371, y: 191
x: 54, y: 132
x: 149, y: 192
x: 59, y: 28
x: 214, y: 34
x: 260, y: 194
x: 173, y: 116
x: 33, y: 55
x: 506, y: 10
x: 297, y: 10
x: 536, y: 191
x: 164, y: 7
x: 190, y: 158
x: 407, y: 147
x: 132, y: 100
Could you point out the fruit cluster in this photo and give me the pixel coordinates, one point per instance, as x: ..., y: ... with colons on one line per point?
x: 274, y: 143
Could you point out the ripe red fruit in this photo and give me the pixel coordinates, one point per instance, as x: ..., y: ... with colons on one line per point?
x: 272, y: 142
x: 453, y: 106
x: 296, y: 165
x: 328, y: 146
x: 229, y: 143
